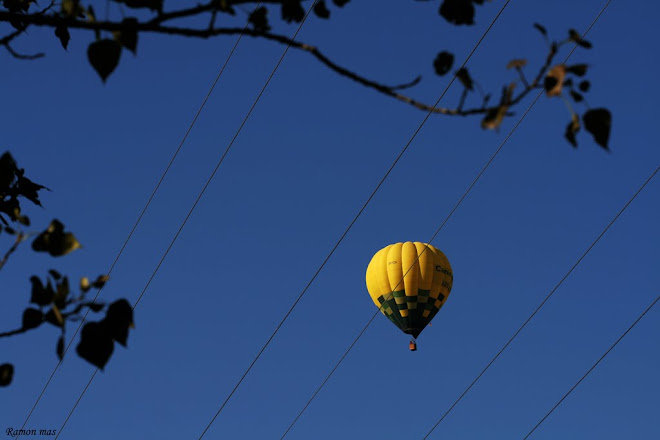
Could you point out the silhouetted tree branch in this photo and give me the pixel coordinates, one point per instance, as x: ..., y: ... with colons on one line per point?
x: 52, y: 301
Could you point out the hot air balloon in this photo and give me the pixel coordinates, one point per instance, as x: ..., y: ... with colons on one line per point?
x: 412, y: 301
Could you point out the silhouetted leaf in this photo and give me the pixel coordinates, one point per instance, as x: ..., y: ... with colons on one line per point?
x: 340, y: 3
x: 61, y: 293
x: 95, y: 307
x: 577, y: 97
x: 55, y: 317
x: 104, y: 55
x: 598, y: 122
x: 8, y: 171
x: 321, y: 10
x: 154, y: 5
x: 516, y: 64
x: 55, y: 274
x: 554, y: 79
x: 29, y: 189
x: 541, y: 29
x: 443, y: 62
x: 71, y: 8
x: 568, y: 82
x: 464, y: 77
x: 60, y: 347
x: 32, y: 318
x: 62, y: 32
x: 128, y: 36
x: 577, y: 69
x: 292, y: 10
x: 95, y: 344
x: 100, y: 281
x: 40, y: 295
x: 584, y: 86
x: 259, y: 19
x: 6, y: 374
x: 457, y: 12
x: 574, y: 36
x: 55, y: 241
x: 571, y: 130
x: 495, y: 116
x: 118, y: 319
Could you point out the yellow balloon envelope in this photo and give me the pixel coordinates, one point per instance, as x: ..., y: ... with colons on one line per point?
x: 412, y: 301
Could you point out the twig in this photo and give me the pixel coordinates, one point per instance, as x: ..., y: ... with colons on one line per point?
x: 20, y: 237
x: 155, y: 25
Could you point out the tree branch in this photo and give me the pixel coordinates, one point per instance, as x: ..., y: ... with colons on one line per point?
x: 156, y: 25
x: 13, y: 332
x: 20, y: 237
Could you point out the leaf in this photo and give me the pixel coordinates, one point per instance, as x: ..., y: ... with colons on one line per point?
x: 118, y: 319
x: 154, y: 5
x: 574, y: 36
x: 29, y: 189
x: 100, y: 281
x: 104, y: 55
x: 577, y: 69
x: 598, y: 122
x: 62, y: 32
x: 32, y: 318
x: 541, y: 29
x: 259, y: 19
x: 457, y: 12
x: 55, y: 274
x: 8, y: 171
x: 6, y: 374
x: 584, y: 86
x: 128, y: 35
x: 495, y: 116
x: 517, y: 64
x: 60, y: 347
x: 443, y: 62
x: 84, y: 284
x: 55, y: 317
x: 95, y: 307
x: 71, y: 8
x: 55, y: 241
x: 62, y: 293
x: 577, y: 97
x: 464, y: 77
x: 40, y: 295
x: 292, y: 10
x: 553, y: 80
x: 571, y: 130
x: 96, y: 345
x: 340, y: 3
x: 321, y: 10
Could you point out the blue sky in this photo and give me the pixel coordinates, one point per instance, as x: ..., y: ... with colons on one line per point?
x: 305, y: 162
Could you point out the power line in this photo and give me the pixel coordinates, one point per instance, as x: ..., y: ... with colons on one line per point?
x: 543, y: 302
x: 199, y: 197
x: 554, y: 289
x: 592, y: 367
x: 488, y: 163
x: 405, y: 148
x: 144, y: 210
x: 451, y: 213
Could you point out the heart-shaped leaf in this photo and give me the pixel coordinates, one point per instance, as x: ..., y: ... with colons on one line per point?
x: 104, y: 56
x: 598, y: 122
x: 443, y: 62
